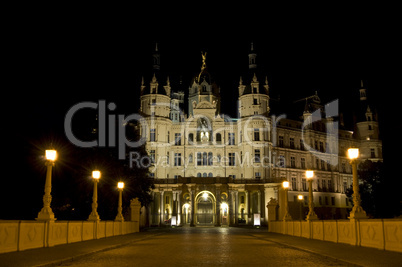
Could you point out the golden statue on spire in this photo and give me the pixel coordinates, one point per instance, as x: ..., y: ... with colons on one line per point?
x: 204, y: 57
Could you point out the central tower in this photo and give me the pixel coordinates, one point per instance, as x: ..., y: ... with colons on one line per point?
x: 203, y: 92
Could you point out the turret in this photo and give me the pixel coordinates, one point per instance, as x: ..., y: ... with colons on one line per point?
x: 155, y: 98
x: 253, y: 96
x: 367, y: 131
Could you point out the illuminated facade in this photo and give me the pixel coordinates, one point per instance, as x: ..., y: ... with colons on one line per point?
x: 213, y: 170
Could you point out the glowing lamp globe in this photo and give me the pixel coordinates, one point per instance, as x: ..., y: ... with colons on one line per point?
x: 51, y: 155
x: 285, y: 184
x: 96, y: 174
x: 300, y: 197
x: 353, y: 153
x: 120, y: 185
x: 224, y: 206
x: 309, y: 174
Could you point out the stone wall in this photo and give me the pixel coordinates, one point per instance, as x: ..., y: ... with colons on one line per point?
x: 383, y: 234
x: 22, y: 235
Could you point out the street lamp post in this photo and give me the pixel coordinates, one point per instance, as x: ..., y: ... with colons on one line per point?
x: 311, y: 214
x: 300, y: 198
x: 287, y: 216
x: 357, y: 210
x: 119, y: 217
x: 94, y: 216
x: 46, y: 214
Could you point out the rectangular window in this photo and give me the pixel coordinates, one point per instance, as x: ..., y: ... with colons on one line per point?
x: 152, y: 135
x: 258, y: 175
x: 257, y: 155
x: 177, y: 159
x: 231, y: 139
x: 372, y: 152
x: 281, y: 163
x: 292, y: 143
x: 321, y: 147
x: 232, y: 159
x: 301, y: 144
x: 333, y: 201
x: 303, y: 163
x: 293, y: 162
x: 304, y: 184
x: 322, y: 165
x: 294, y: 187
x: 152, y: 156
x: 199, y: 159
x: 280, y: 141
x: 256, y: 134
x: 177, y: 139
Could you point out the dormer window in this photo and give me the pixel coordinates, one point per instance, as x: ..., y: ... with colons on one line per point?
x: 204, y: 88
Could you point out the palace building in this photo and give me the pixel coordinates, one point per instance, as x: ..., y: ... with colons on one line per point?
x: 209, y: 169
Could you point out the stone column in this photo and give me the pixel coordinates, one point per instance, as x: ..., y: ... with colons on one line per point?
x: 161, y: 208
x: 179, y: 219
x: 259, y: 202
x: 192, y: 197
x: 231, y: 208
x: 218, y: 205
x: 174, y: 209
x: 236, y: 193
x: 174, y: 203
x: 247, y: 207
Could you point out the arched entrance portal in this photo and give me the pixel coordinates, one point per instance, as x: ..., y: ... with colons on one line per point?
x: 205, y: 209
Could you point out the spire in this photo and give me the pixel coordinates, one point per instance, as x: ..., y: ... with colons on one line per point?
x: 362, y: 91
x: 251, y: 58
x: 156, y: 58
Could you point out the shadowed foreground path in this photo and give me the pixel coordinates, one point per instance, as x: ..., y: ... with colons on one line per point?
x: 203, y: 247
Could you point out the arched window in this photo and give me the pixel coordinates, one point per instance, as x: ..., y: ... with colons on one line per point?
x: 210, y: 174
x: 199, y: 159
x: 199, y: 174
x: 204, y: 174
x: 218, y: 137
x: 204, y: 159
x: 190, y: 138
x: 210, y: 159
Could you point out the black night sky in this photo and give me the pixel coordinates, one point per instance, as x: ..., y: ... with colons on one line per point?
x: 51, y: 67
